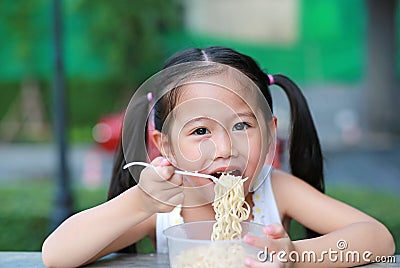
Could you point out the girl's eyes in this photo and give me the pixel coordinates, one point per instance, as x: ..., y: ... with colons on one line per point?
x: 241, y: 126
x: 201, y: 131
x: 237, y: 127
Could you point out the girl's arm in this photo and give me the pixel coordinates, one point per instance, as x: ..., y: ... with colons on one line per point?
x: 346, y: 230
x: 83, y: 235
x: 103, y: 229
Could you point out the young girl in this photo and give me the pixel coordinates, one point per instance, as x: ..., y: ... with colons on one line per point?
x: 212, y: 114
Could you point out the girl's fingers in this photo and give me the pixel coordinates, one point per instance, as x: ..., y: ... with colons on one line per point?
x: 165, y: 162
x: 162, y: 184
x: 259, y: 242
x: 160, y: 161
x: 164, y: 172
x: 265, y: 242
x: 156, y: 161
x: 176, y: 180
x: 275, y: 231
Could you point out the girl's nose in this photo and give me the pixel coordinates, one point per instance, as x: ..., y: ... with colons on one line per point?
x: 223, y: 145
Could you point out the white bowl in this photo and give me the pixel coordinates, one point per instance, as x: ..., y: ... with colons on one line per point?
x: 190, y: 245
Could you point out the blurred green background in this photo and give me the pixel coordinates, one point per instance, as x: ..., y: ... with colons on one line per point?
x: 111, y: 47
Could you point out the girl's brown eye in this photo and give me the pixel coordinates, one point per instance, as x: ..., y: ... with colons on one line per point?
x: 201, y: 131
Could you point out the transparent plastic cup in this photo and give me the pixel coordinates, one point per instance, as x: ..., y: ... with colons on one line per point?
x: 190, y: 245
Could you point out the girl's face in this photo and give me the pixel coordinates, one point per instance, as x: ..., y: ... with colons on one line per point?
x: 213, y: 130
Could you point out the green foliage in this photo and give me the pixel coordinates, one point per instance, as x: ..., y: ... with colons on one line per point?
x: 26, y: 210
x: 380, y: 205
x: 109, y: 47
x: 129, y: 35
x: 24, y: 38
x: 24, y: 215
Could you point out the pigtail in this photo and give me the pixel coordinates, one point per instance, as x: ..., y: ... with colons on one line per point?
x: 306, y: 161
x: 305, y: 155
x: 121, y: 179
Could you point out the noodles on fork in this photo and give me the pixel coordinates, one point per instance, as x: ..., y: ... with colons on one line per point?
x: 230, y: 208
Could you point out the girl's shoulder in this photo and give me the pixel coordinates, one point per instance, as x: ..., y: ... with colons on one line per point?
x: 288, y: 185
x: 289, y: 189
x: 281, y: 180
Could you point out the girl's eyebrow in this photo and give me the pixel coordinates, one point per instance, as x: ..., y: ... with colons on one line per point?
x: 246, y: 114
x: 197, y: 119
x: 205, y: 118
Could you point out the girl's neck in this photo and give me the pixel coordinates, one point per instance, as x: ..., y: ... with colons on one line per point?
x: 201, y: 213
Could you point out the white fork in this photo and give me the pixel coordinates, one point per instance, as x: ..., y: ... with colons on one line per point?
x: 177, y: 171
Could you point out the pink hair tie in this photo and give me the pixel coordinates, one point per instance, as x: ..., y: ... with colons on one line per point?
x: 271, y: 79
x: 149, y: 96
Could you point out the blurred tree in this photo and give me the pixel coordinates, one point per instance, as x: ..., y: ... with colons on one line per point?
x: 23, y: 37
x: 110, y: 47
x: 128, y: 35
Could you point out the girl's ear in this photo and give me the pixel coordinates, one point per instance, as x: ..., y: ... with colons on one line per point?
x: 275, y: 121
x: 160, y: 140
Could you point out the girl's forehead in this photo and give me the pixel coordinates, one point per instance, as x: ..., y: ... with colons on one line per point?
x: 210, y: 101
x: 205, y: 90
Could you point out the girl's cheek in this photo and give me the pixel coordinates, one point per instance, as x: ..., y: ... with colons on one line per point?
x: 189, y: 152
x: 187, y: 156
x: 197, y: 151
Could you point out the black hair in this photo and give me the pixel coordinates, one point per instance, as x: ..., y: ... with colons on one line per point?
x: 305, y: 156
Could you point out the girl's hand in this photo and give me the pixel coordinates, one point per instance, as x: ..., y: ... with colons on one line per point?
x: 162, y: 188
x: 277, y: 240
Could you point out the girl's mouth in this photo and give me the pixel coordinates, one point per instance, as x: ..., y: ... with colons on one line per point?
x: 231, y: 172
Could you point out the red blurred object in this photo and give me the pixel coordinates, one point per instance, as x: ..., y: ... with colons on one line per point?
x: 278, y: 153
x: 107, y: 131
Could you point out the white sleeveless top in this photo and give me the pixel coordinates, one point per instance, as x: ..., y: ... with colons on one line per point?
x: 265, y: 212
